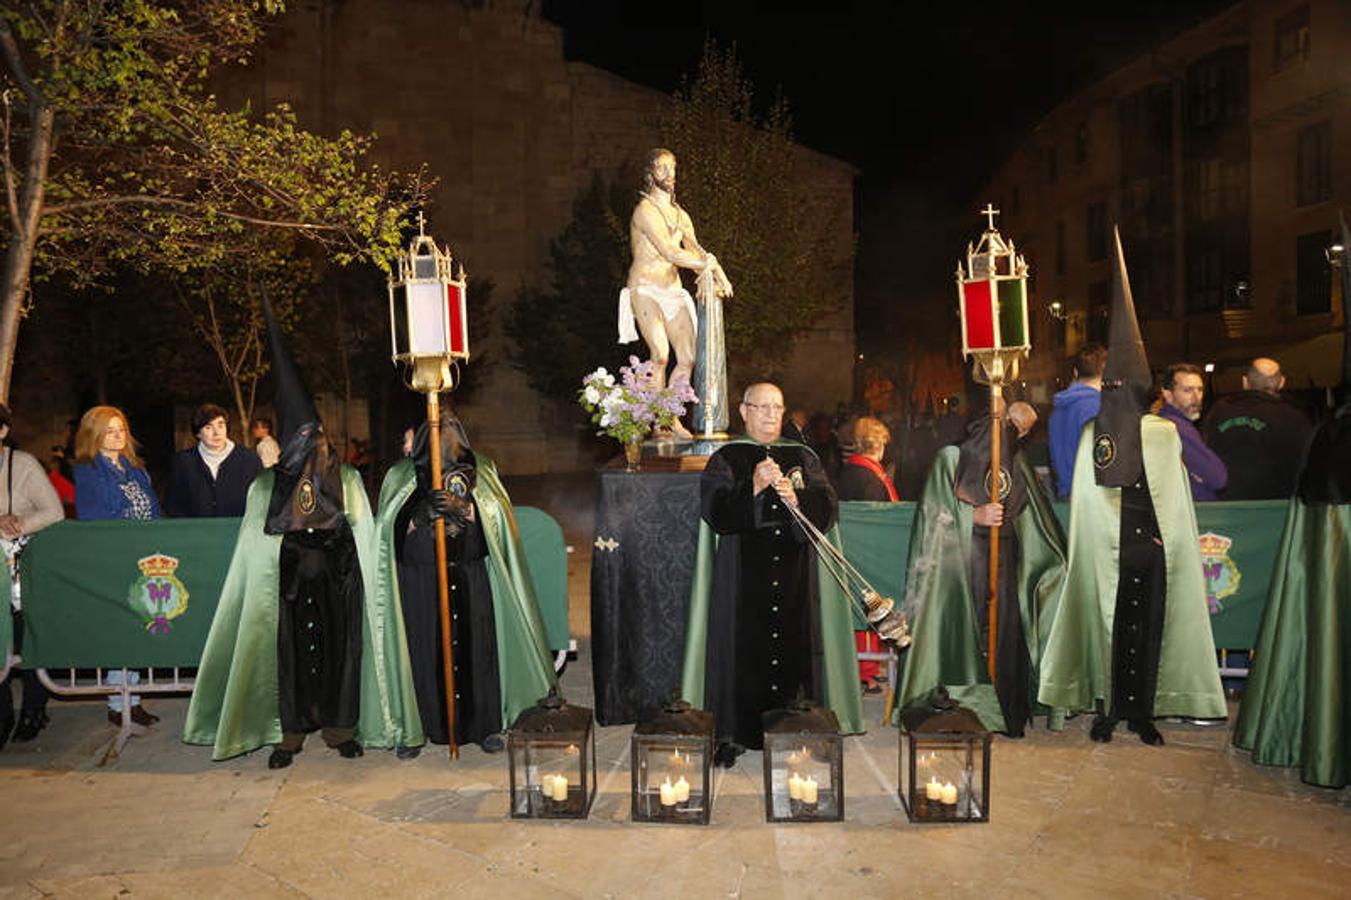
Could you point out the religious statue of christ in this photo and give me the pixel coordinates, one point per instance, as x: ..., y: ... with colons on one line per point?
x: 662, y: 239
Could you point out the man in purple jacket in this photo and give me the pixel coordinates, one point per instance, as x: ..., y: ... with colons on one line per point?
x: 1183, y: 391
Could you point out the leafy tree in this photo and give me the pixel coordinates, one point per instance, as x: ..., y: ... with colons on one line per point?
x: 741, y: 181
x: 114, y: 153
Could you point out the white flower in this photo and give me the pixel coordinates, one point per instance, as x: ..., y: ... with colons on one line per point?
x: 613, y: 396
x: 606, y: 420
x: 591, y: 394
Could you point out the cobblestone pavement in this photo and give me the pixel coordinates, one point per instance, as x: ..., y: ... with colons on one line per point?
x: 1069, y: 818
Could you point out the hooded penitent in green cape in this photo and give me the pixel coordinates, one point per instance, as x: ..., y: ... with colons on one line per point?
x: 525, y: 671
x: 765, y: 618
x: 1297, y: 704
x: 946, y: 647
x: 1077, y: 659
x: 235, y: 705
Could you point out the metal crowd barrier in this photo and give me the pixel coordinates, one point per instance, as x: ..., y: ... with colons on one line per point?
x: 73, y: 686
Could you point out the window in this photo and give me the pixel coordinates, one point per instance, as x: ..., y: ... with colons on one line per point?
x: 1097, y: 231
x: 1081, y: 143
x: 1313, y: 276
x: 1292, y: 38
x: 1099, y: 310
x: 1313, y: 174
x: 1205, y: 280
x: 1060, y: 247
x: 1052, y: 166
x: 1217, y: 88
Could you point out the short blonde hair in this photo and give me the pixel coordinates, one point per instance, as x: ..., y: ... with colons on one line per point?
x: 89, y: 437
x: 870, y: 435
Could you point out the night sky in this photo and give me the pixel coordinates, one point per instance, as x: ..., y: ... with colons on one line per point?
x: 926, y: 99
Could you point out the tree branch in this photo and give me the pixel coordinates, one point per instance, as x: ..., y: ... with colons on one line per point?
x: 56, y: 209
x: 9, y: 51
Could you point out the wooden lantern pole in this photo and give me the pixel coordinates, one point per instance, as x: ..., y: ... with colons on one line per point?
x: 996, y: 423
x: 442, y: 581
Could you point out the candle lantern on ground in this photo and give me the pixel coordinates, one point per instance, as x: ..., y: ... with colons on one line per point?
x: 945, y: 762
x: 804, y: 765
x: 429, y: 332
x: 992, y: 304
x: 551, y: 752
x: 671, y: 755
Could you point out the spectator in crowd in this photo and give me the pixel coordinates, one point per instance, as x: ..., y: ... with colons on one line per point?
x: 795, y: 428
x: 28, y: 504
x: 1259, y: 436
x: 1183, y: 393
x: 1073, y: 408
x: 951, y: 425
x: 264, y: 444
x: 111, y: 483
x: 863, y: 478
x: 821, y: 438
x: 211, y: 479
x: 65, y: 488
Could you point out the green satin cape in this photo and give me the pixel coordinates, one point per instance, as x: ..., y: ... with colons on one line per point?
x: 1076, y: 662
x: 525, y: 666
x: 839, y: 654
x: 1296, y: 707
x: 234, y: 705
x: 945, y: 642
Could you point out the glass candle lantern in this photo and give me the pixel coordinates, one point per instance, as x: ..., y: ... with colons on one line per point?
x: 804, y: 765
x: 945, y: 762
x: 671, y: 756
x: 551, y: 752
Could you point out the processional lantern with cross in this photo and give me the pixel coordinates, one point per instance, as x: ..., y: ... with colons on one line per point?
x: 429, y: 329
x: 992, y: 302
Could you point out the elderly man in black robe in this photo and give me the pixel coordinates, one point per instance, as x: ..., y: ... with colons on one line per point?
x: 758, y: 637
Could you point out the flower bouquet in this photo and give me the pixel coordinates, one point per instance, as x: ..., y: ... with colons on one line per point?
x: 629, y: 409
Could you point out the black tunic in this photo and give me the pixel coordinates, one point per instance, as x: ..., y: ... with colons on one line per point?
x: 1013, y: 665
x: 1141, y: 598
x: 764, y: 641
x: 319, y: 627
x: 478, y: 703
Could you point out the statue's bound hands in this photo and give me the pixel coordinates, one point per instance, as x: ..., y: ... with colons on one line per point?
x: 721, y: 286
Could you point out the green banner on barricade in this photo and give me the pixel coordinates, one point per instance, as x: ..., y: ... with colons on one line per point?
x: 121, y: 593
x: 1238, y: 548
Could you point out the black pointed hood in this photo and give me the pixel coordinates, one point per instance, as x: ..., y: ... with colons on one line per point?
x: 307, y: 484
x: 1126, y: 381
x: 1326, y: 477
x: 456, y: 453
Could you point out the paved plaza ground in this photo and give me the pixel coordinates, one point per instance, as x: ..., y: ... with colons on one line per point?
x: 1069, y: 818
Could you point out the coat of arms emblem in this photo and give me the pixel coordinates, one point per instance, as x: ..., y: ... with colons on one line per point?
x: 158, y: 596
x: 1222, y: 575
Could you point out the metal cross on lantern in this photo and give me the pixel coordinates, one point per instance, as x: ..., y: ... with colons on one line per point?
x: 992, y: 302
x: 429, y: 329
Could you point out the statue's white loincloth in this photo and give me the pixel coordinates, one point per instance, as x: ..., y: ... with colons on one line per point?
x: 671, y: 301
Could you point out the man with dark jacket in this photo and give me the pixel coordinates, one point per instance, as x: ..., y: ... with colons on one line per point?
x: 1260, y: 437
x: 1074, y: 407
x: 211, y: 479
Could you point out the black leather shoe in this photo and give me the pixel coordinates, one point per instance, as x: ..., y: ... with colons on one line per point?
x: 350, y: 749
x: 6, y: 719
x: 407, y: 752
x: 726, y: 755
x: 1147, y: 732
x: 31, y: 721
x: 493, y: 743
x: 1102, y: 729
x: 280, y: 758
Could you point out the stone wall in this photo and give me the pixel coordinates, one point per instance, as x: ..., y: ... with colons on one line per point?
x: 513, y: 132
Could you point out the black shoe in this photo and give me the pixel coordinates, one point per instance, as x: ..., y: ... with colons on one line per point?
x: 726, y: 755
x: 1147, y: 732
x: 31, y: 721
x: 1102, y: 729
x: 350, y: 749
x: 493, y: 743
x: 6, y: 719
x: 280, y: 758
x: 407, y: 752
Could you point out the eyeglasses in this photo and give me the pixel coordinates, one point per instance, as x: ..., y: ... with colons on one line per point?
x: 771, y: 408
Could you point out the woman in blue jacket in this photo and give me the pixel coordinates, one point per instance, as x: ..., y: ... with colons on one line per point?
x: 111, y: 483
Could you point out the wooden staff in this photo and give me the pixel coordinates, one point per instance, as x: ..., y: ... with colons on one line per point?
x: 442, y: 585
x: 996, y: 418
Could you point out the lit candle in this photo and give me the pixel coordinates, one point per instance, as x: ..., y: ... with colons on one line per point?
x: 809, y: 788
x: 668, y: 792
x: 682, y: 790
x: 949, y: 794
x: 546, y: 785
x: 933, y: 790
x: 794, y: 787
x: 561, y: 788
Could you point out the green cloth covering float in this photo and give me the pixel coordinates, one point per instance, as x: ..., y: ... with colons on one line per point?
x: 839, y: 660
x: 946, y: 647
x: 525, y: 666
x: 235, y: 704
x: 1076, y: 660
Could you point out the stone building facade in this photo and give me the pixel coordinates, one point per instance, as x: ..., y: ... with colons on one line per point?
x: 1224, y: 154
x: 483, y: 95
